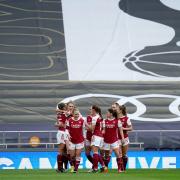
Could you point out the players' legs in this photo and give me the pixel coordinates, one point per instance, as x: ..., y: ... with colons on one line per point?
x: 124, y: 149
x: 97, y: 144
x: 89, y: 156
x: 124, y: 155
x: 107, y: 149
x: 60, y: 157
x: 107, y: 157
x: 100, y: 158
x: 119, y: 159
x: 72, y: 155
x: 88, y: 151
x: 68, y: 157
x: 97, y: 158
x: 61, y: 146
x: 95, y: 150
x: 65, y: 159
x: 110, y: 152
x: 78, y: 159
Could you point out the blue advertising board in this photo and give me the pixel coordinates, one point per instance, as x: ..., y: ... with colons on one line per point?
x: 47, y: 160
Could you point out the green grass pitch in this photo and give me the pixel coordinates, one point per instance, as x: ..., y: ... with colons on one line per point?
x: 138, y: 174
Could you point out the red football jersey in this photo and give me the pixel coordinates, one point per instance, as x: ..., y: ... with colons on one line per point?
x: 97, y: 121
x: 61, y: 117
x: 89, y: 132
x: 76, y: 130
x: 125, y: 123
x: 111, y: 127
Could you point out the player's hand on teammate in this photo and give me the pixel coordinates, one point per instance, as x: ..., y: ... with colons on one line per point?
x: 123, y: 141
x: 59, y: 124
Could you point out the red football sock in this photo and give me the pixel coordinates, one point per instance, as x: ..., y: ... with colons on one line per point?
x: 95, y: 161
x: 101, y: 160
x: 78, y: 159
x: 59, y: 162
x: 107, y: 160
x: 120, y: 164
x: 125, y: 160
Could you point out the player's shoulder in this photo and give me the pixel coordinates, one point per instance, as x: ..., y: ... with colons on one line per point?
x: 95, y: 118
x: 124, y: 118
x: 70, y: 119
x: 116, y: 119
x: 81, y: 119
x: 128, y: 120
x: 89, y: 117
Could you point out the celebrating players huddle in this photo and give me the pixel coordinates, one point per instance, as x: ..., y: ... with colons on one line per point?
x: 99, y: 136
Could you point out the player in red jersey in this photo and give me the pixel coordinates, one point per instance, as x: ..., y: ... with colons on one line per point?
x: 111, y: 127
x: 76, y: 127
x: 70, y: 106
x: 127, y: 126
x: 97, y: 138
x: 69, y: 113
x: 114, y: 106
x: 61, y: 136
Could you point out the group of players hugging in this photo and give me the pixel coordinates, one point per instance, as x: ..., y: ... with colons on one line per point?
x: 99, y: 136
